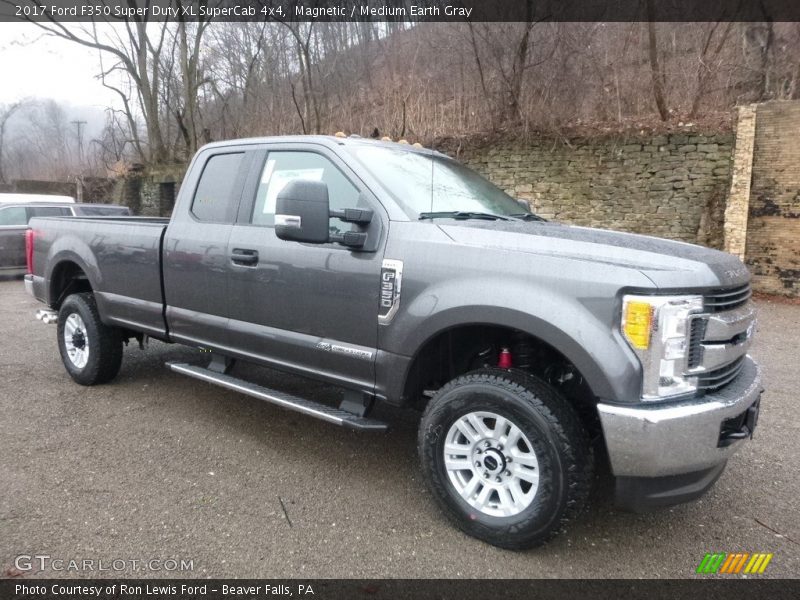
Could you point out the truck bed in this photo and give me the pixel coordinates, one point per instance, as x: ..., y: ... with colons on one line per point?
x: 121, y: 257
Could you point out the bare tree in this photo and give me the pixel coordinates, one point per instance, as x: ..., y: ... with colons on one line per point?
x: 180, y: 84
x: 189, y: 38
x: 707, y: 62
x: 6, y: 112
x: 42, y: 145
x: 656, y: 69
x: 134, y: 53
x: 113, y: 146
x: 302, y: 34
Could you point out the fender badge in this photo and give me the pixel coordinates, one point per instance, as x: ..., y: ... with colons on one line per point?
x: 391, y: 280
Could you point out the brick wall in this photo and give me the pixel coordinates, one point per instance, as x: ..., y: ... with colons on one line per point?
x: 773, y: 230
x: 672, y: 186
x: 738, y: 203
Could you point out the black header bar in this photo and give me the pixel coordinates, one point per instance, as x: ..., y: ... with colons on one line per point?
x: 401, y: 10
x: 395, y: 589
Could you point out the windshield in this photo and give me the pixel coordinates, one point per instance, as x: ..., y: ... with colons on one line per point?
x: 425, y: 183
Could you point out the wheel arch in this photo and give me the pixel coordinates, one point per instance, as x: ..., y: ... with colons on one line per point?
x: 593, y: 352
x: 68, y: 276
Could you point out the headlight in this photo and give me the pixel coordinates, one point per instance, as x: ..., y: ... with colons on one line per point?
x: 657, y: 328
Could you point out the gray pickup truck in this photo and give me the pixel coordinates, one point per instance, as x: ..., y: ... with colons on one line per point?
x: 536, y: 351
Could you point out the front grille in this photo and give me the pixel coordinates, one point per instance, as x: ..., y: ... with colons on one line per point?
x: 713, y: 380
x: 726, y: 299
x: 696, y: 333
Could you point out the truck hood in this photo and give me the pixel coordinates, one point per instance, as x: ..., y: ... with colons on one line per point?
x: 668, y: 264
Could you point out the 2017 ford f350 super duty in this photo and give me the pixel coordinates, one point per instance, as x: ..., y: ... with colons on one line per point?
x: 535, y: 349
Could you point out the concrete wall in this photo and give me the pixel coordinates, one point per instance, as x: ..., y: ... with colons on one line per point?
x: 672, y: 186
x: 150, y: 192
x: 773, y: 228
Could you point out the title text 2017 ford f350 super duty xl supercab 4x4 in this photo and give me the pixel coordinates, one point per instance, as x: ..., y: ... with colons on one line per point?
x: 400, y: 276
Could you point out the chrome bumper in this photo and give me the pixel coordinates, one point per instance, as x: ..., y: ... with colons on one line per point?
x: 673, y: 439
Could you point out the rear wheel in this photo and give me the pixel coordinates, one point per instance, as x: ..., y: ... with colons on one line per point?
x: 506, y: 457
x: 90, y: 350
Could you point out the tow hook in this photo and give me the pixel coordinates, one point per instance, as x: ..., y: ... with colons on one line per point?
x: 47, y: 316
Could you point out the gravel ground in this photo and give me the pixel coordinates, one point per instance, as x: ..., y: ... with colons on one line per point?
x: 156, y: 465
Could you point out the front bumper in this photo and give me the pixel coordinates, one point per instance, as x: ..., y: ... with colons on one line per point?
x: 666, y: 440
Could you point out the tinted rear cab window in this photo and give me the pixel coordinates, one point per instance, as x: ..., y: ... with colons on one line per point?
x: 213, y: 200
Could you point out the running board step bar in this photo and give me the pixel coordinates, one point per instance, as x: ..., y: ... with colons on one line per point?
x: 301, y: 405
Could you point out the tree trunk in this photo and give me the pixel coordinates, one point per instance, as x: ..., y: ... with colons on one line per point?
x: 655, y: 67
x: 3, y: 121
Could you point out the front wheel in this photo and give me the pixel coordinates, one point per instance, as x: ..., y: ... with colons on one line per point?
x: 90, y: 350
x: 506, y: 457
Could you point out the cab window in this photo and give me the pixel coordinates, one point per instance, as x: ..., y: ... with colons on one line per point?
x: 282, y: 167
x: 213, y: 200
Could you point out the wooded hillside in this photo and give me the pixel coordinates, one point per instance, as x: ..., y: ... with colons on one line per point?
x: 183, y: 84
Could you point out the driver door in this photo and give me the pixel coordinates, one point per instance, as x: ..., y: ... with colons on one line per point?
x: 308, y: 308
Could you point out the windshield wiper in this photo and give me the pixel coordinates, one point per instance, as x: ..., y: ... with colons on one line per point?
x: 459, y: 214
x: 528, y: 217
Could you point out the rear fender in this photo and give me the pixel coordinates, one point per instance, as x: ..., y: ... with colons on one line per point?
x: 73, y: 250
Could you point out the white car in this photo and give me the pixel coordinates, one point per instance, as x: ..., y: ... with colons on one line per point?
x: 37, y: 198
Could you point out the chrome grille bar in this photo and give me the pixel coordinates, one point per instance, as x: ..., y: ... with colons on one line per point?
x: 719, y: 338
x: 726, y: 299
x: 713, y: 380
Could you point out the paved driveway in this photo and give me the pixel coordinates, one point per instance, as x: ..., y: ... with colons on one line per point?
x: 158, y: 466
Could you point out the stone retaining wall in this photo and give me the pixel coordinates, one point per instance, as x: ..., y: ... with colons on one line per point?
x: 672, y: 186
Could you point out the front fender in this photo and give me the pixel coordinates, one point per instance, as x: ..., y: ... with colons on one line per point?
x: 583, y: 329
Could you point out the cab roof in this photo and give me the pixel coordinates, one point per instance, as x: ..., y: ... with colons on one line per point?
x: 325, y: 140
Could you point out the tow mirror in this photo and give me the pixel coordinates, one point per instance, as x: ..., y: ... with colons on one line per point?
x: 302, y: 211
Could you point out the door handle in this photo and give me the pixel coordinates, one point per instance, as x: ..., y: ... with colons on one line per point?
x: 240, y: 256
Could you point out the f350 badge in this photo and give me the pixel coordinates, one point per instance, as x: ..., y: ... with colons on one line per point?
x: 391, y: 279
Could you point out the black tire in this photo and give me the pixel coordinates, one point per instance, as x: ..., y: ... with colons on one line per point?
x: 104, y: 356
x: 565, y: 460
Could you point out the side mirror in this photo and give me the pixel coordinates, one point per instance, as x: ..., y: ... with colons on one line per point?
x: 302, y: 211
